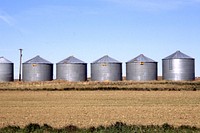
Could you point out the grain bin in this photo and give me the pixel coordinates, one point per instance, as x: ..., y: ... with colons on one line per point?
x: 178, y: 66
x: 71, y: 69
x: 141, y: 68
x: 6, y: 70
x: 106, y: 69
x: 37, y: 69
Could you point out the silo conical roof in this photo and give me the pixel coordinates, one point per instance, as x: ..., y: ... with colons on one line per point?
x: 4, y: 60
x: 106, y: 59
x: 178, y: 55
x: 71, y: 60
x: 141, y: 58
x: 37, y: 60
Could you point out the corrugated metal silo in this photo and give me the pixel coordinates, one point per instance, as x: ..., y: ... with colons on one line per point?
x: 141, y: 68
x: 178, y: 66
x: 71, y: 69
x: 6, y: 70
x: 37, y: 69
x: 106, y: 69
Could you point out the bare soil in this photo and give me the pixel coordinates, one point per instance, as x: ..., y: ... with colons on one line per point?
x: 94, y: 108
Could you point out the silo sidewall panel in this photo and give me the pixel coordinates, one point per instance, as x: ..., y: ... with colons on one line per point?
x: 72, y: 72
x: 6, y: 72
x: 37, y: 72
x: 106, y: 72
x: 141, y: 72
x: 179, y: 69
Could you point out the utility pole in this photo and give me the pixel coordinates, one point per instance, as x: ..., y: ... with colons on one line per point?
x: 20, y: 65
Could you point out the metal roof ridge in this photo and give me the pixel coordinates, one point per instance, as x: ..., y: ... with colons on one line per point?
x: 178, y: 55
x: 141, y: 58
x: 106, y: 59
x: 71, y: 60
x: 38, y: 60
x: 4, y: 60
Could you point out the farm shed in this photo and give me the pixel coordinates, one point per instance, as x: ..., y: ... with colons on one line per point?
x: 71, y: 69
x: 178, y: 66
x: 37, y: 69
x: 141, y: 68
x: 6, y: 70
x: 106, y: 69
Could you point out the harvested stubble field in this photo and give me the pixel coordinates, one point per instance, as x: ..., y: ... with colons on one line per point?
x: 94, y: 108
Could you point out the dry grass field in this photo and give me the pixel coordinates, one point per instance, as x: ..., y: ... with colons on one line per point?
x: 94, y: 108
x: 118, y: 85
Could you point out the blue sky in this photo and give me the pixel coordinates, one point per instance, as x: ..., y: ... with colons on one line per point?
x: 90, y: 29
